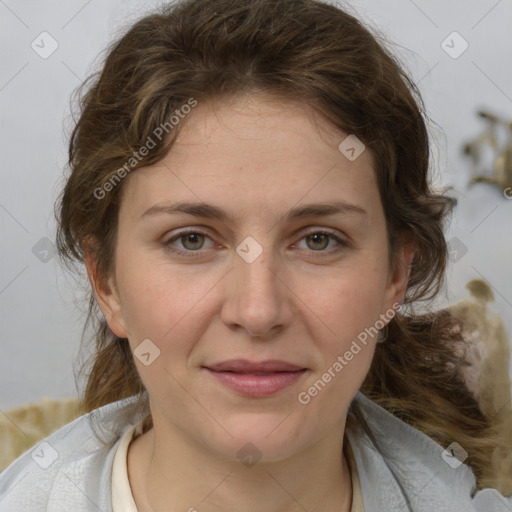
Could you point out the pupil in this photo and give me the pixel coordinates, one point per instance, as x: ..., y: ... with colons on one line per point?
x: 193, y: 238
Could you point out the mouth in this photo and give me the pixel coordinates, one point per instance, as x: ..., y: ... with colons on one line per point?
x: 256, y: 379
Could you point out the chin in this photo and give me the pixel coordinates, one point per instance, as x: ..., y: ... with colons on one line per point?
x: 258, y: 439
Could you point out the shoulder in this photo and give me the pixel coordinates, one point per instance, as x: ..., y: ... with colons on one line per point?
x: 400, y: 467
x: 70, y: 469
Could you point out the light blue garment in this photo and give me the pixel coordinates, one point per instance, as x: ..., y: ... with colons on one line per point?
x: 400, y: 469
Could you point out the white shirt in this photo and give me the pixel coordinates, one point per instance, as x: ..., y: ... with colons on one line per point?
x: 122, y: 498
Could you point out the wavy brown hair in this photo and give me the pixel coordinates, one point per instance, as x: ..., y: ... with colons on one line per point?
x: 323, y: 56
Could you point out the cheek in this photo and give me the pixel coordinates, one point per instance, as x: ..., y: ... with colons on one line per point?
x: 347, y: 301
x: 162, y: 303
x: 342, y: 319
x: 163, y: 309
x: 342, y: 316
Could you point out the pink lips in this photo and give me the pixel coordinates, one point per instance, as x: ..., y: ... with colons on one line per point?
x: 256, y: 379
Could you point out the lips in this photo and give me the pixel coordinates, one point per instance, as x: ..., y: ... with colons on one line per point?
x: 256, y: 379
x: 263, y: 367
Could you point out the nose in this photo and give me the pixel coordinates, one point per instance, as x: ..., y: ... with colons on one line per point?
x: 257, y: 299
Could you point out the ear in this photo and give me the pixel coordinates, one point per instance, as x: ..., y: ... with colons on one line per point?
x: 105, y: 291
x: 399, y: 274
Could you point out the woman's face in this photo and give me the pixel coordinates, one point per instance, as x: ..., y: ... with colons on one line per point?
x: 254, y: 271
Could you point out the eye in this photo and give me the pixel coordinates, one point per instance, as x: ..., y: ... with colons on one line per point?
x: 318, y: 241
x: 191, y: 241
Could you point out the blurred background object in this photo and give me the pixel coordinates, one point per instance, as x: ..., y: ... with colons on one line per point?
x: 497, y: 169
x: 22, y: 427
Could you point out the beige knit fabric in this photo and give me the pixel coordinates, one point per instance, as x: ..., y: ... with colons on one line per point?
x: 488, y: 376
x: 23, y: 427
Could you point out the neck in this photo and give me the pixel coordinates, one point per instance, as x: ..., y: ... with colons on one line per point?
x: 171, y: 468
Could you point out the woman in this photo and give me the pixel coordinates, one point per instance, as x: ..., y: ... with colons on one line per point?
x: 250, y: 196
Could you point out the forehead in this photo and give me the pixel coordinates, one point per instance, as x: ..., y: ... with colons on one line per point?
x: 257, y: 147
x: 285, y: 128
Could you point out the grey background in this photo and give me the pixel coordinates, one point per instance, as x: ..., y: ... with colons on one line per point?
x: 40, y: 320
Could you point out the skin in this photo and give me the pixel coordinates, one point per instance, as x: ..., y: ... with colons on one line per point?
x: 300, y: 301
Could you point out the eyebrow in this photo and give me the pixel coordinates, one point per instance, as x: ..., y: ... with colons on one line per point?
x: 209, y: 211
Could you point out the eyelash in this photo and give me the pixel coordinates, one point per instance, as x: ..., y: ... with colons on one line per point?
x: 342, y: 244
